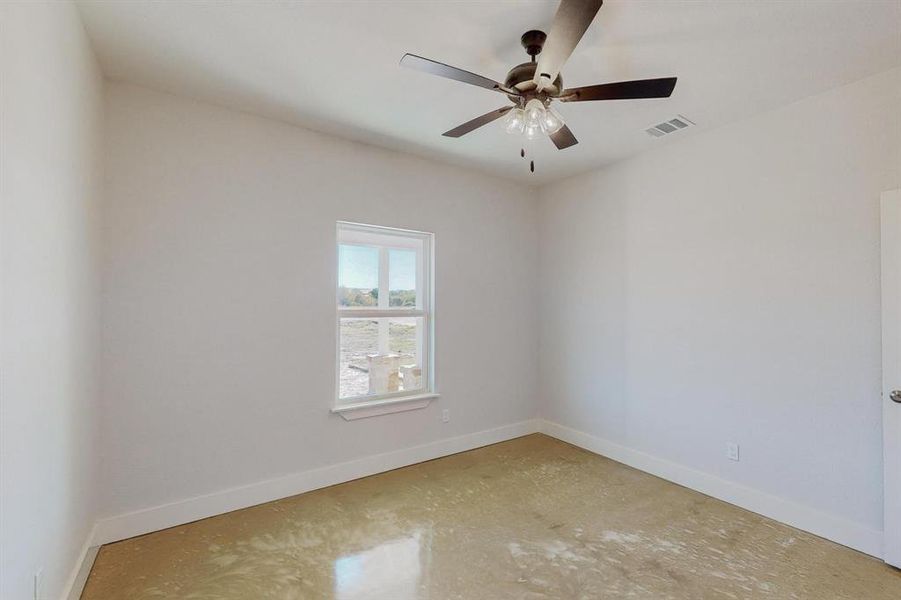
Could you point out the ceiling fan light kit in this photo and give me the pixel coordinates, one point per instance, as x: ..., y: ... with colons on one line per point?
x: 537, y: 117
x: 534, y: 85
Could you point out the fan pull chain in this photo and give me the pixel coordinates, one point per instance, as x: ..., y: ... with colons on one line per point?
x: 522, y: 154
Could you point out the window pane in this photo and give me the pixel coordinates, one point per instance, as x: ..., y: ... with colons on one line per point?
x: 359, y: 338
x: 358, y: 275
x: 380, y: 356
x: 402, y: 278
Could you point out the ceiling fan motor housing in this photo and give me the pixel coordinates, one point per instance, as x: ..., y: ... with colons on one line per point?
x: 521, y: 77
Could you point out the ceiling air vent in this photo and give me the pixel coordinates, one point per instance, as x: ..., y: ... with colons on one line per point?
x: 677, y: 123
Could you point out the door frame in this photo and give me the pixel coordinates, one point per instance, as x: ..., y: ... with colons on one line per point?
x: 890, y: 206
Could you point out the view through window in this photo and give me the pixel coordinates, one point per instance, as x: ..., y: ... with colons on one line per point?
x: 383, y: 312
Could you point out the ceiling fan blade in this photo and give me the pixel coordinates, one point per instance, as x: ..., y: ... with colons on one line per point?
x: 468, y: 126
x: 564, y: 138
x: 623, y: 90
x: 425, y: 65
x: 570, y: 23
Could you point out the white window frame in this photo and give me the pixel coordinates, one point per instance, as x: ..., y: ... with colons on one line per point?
x: 386, y: 239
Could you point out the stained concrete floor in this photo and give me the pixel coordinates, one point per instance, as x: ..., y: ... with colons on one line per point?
x: 532, y: 518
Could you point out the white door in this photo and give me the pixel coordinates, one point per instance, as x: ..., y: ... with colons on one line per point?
x: 891, y: 372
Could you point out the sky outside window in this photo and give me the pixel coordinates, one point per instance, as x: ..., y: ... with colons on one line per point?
x: 358, y: 267
x: 401, y: 269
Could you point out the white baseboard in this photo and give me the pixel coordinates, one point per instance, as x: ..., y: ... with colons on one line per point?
x: 128, y: 525
x: 831, y: 527
x: 803, y: 517
x: 79, y: 575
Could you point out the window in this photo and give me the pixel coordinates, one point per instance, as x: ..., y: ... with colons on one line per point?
x: 383, y: 316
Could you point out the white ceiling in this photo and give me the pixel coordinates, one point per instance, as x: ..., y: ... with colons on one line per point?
x: 333, y: 66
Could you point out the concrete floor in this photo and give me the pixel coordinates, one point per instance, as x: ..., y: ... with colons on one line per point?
x: 526, y: 519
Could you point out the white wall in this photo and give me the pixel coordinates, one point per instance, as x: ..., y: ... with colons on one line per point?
x: 725, y: 287
x: 50, y: 182
x: 219, y: 297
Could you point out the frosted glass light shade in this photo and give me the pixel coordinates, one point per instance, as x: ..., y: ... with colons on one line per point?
x: 552, y: 122
x: 534, y: 114
x: 515, y: 121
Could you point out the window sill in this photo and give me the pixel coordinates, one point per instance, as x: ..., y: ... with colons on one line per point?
x: 374, y: 408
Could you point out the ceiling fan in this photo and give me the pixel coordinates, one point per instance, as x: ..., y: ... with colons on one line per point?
x: 532, y: 86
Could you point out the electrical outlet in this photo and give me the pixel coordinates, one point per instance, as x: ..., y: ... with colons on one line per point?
x: 732, y: 451
x: 39, y: 584
x: 445, y: 415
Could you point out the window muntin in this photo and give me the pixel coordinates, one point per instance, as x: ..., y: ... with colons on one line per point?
x: 383, y: 313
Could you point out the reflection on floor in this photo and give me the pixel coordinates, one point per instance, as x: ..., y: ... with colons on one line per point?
x: 526, y: 519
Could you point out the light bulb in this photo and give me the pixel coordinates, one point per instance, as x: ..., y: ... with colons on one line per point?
x: 532, y: 131
x: 534, y: 115
x: 515, y: 121
x: 552, y: 121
